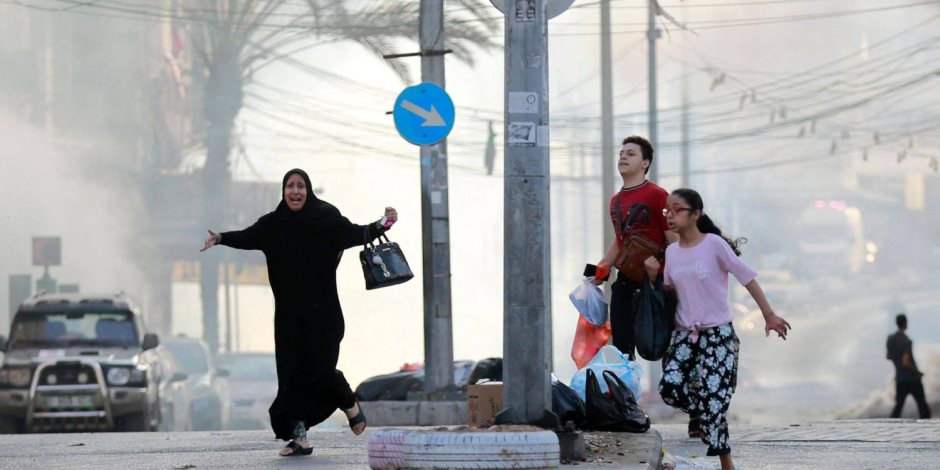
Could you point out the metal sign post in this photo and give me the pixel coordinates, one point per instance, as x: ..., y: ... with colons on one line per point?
x: 424, y: 115
x: 47, y: 251
x: 527, y: 325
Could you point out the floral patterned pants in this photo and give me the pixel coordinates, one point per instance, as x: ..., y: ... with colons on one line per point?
x: 699, y: 377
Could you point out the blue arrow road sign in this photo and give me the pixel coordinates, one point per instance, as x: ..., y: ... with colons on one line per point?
x: 424, y: 114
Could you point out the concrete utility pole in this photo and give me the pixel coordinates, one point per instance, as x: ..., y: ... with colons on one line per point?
x: 652, y: 34
x: 527, y: 326
x: 685, y: 183
x: 686, y: 136
x: 435, y: 223
x: 607, y: 125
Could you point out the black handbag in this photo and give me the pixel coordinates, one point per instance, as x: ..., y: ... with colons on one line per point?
x: 616, y: 410
x: 384, y: 264
x: 655, y: 313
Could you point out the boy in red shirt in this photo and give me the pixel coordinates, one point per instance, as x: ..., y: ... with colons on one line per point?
x: 638, y: 207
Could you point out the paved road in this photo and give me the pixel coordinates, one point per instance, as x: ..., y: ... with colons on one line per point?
x: 333, y: 449
x: 169, y: 451
x: 855, y: 445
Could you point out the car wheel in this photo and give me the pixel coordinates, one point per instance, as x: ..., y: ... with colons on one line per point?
x: 134, y: 422
x: 206, y: 421
x: 464, y: 450
x: 385, y: 449
x: 10, y: 425
x: 167, y: 420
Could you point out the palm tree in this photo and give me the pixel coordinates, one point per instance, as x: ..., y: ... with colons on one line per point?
x: 234, y: 38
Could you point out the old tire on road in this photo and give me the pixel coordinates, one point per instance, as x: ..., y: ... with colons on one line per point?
x: 481, y: 449
x: 385, y: 449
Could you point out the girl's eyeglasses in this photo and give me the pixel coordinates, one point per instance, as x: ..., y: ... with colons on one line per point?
x: 675, y: 210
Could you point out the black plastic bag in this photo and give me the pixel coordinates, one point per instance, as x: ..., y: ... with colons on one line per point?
x: 490, y: 368
x: 567, y: 405
x: 654, y: 321
x: 391, y: 387
x: 616, y: 410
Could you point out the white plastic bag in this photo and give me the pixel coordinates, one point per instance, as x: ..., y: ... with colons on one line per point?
x: 609, y: 358
x: 589, y: 300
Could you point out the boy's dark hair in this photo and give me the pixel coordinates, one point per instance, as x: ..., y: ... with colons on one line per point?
x: 901, y: 320
x: 705, y: 224
x: 646, y: 148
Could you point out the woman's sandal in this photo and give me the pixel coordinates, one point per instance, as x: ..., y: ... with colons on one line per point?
x: 297, y: 449
x: 360, y: 418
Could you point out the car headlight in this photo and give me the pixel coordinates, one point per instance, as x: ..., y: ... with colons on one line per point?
x: 19, y: 377
x: 119, y: 376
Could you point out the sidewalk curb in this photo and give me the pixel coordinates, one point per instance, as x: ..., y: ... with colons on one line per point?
x: 657, y: 462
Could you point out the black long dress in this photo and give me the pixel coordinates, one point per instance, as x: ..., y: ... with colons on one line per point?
x: 303, y: 249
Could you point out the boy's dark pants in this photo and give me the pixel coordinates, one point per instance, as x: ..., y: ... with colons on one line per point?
x: 622, y: 316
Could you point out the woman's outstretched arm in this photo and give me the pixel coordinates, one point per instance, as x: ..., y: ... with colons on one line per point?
x: 250, y: 238
x: 350, y: 234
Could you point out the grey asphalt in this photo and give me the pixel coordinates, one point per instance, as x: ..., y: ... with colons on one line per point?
x: 856, y: 445
x: 333, y: 449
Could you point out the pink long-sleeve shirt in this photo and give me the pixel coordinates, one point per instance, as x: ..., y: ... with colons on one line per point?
x: 699, y: 275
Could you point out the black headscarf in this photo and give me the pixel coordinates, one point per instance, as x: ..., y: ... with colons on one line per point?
x: 315, y: 214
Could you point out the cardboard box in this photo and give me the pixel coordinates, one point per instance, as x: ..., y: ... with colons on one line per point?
x: 484, y: 400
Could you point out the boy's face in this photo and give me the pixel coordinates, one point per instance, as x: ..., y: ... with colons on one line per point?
x: 631, y: 160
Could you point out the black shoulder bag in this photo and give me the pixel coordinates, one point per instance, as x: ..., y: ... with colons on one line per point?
x: 384, y: 264
x: 655, y: 317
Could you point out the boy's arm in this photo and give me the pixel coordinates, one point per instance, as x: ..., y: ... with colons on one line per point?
x: 606, y: 262
x: 611, y: 254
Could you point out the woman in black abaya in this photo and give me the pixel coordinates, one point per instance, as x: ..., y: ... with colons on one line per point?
x: 303, y: 240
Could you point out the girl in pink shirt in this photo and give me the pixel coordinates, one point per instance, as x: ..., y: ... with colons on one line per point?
x: 701, y: 365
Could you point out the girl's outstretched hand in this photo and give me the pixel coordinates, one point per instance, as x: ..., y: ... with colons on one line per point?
x: 210, y: 240
x: 777, y: 324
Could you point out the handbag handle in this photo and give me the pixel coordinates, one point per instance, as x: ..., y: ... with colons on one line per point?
x: 366, y: 243
x: 611, y: 378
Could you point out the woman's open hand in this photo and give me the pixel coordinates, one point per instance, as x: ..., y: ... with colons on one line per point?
x: 210, y: 240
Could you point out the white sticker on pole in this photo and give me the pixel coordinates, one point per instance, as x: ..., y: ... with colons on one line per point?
x: 523, y: 102
x: 524, y: 10
x: 552, y: 9
x: 522, y: 134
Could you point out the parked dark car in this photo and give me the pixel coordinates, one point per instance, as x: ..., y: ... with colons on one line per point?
x: 208, y: 392
x: 252, y: 387
x: 79, y: 363
x: 175, y: 395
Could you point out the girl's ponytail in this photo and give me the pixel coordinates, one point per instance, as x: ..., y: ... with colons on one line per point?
x: 705, y: 224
